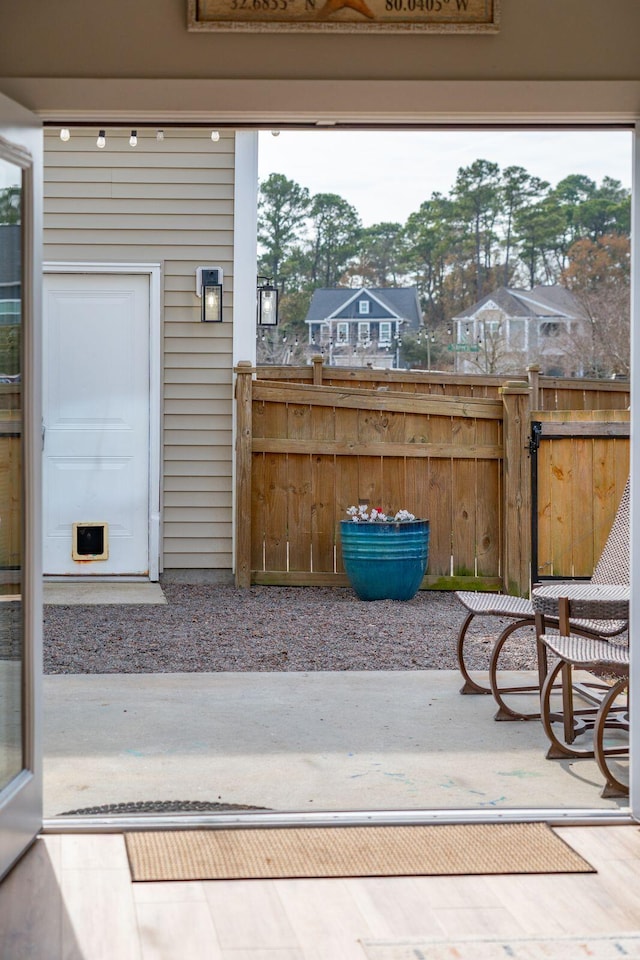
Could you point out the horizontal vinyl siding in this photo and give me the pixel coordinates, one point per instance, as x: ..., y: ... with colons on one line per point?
x: 169, y: 203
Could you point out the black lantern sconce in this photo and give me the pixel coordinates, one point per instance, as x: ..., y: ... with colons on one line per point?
x: 267, y: 303
x: 209, y: 289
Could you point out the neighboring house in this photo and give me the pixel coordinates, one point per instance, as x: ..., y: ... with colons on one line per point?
x: 138, y: 392
x: 10, y: 273
x: 511, y: 328
x: 362, y: 326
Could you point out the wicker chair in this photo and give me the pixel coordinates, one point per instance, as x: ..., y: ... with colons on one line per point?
x: 606, y: 661
x: 612, y: 567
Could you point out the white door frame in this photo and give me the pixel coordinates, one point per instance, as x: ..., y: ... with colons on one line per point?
x: 21, y: 799
x: 634, y: 631
x: 153, y: 271
x: 616, y: 102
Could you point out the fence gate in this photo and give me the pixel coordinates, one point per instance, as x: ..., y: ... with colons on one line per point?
x: 579, y: 467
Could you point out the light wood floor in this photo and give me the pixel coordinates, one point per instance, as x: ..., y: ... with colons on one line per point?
x: 71, y: 898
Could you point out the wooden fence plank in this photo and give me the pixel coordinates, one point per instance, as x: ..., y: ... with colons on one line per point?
x: 300, y: 504
x: 440, y: 495
x: 275, y: 512
x: 582, y: 541
x: 323, y: 423
x: 394, y: 485
x: 464, y: 500
x: 323, y: 512
x: 517, y: 488
x: 320, y: 579
x: 275, y: 492
x: 375, y: 400
x: 346, y: 495
x: 10, y: 493
x: 562, y: 493
x: 353, y: 448
x: 488, y: 501
x: 257, y: 512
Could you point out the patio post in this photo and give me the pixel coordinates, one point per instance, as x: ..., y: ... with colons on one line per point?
x: 533, y: 372
x: 317, y: 370
x: 244, y: 375
x: 517, y: 487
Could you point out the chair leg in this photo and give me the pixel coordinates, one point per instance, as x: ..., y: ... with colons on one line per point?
x: 560, y: 748
x: 567, y: 703
x: 613, y: 787
x: 506, y: 712
x: 469, y: 686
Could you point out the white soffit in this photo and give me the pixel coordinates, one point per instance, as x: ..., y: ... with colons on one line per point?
x: 407, y: 102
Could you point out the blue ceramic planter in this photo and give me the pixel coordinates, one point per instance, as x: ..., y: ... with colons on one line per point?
x: 385, y: 561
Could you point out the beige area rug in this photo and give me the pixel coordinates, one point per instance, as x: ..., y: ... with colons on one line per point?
x: 90, y: 594
x: 270, y: 853
x: 620, y: 946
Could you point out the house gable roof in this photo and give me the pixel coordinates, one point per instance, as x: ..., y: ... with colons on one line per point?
x: 385, y: 303
x: 541, y: 302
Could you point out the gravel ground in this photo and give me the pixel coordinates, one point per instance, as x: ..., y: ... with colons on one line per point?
x: 217, y: 628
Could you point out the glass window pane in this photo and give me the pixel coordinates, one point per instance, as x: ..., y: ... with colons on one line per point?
x: 11, y: 499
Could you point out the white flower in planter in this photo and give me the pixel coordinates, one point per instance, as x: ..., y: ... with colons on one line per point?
x: 376, y: 515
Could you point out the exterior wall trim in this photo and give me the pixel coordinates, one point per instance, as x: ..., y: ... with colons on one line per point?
x: 245, y: 268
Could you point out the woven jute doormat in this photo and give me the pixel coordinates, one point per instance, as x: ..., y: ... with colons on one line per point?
x: 269, y: 853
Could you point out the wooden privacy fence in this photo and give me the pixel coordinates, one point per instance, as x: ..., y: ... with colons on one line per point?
x: 579, y: 469
x: 547, y: 393
x: 306, y: 452
x: 10, y: 480
x: 310, y: 446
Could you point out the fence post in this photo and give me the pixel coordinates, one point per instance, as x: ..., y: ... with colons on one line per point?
x: 244, y: 373
x: 317, y: 370
x: 533, y: 371
x: 517, y: 488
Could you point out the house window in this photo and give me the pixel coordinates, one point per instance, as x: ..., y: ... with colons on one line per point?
x: 466, y: 332
x: 363, y: 306
x: 363, y: 332
x: 385, y: 332
x: 342, y: 332
x: 550, y: 329
x: 491, y: 328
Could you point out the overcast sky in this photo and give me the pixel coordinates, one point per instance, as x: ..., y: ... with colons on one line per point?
x: 386, y: 175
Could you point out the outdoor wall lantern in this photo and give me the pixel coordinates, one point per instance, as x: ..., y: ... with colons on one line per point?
x: 209, y: 289
x: 267, y: 303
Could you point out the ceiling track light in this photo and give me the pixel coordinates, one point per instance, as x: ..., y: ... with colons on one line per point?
x: 65, y: 134
x: 133, y: 139
x: 101, y: 142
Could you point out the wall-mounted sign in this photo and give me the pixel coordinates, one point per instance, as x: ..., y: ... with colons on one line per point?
x: 346, y: 16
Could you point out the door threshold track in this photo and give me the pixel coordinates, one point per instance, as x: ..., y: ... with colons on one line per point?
x: 122, y: 824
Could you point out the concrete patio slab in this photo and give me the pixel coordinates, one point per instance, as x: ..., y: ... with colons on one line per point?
x: 72, y: 593
x: 322, y: 741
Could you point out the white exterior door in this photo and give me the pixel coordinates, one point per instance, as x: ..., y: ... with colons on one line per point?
x: 20, y: 534
x: 96, y: 420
